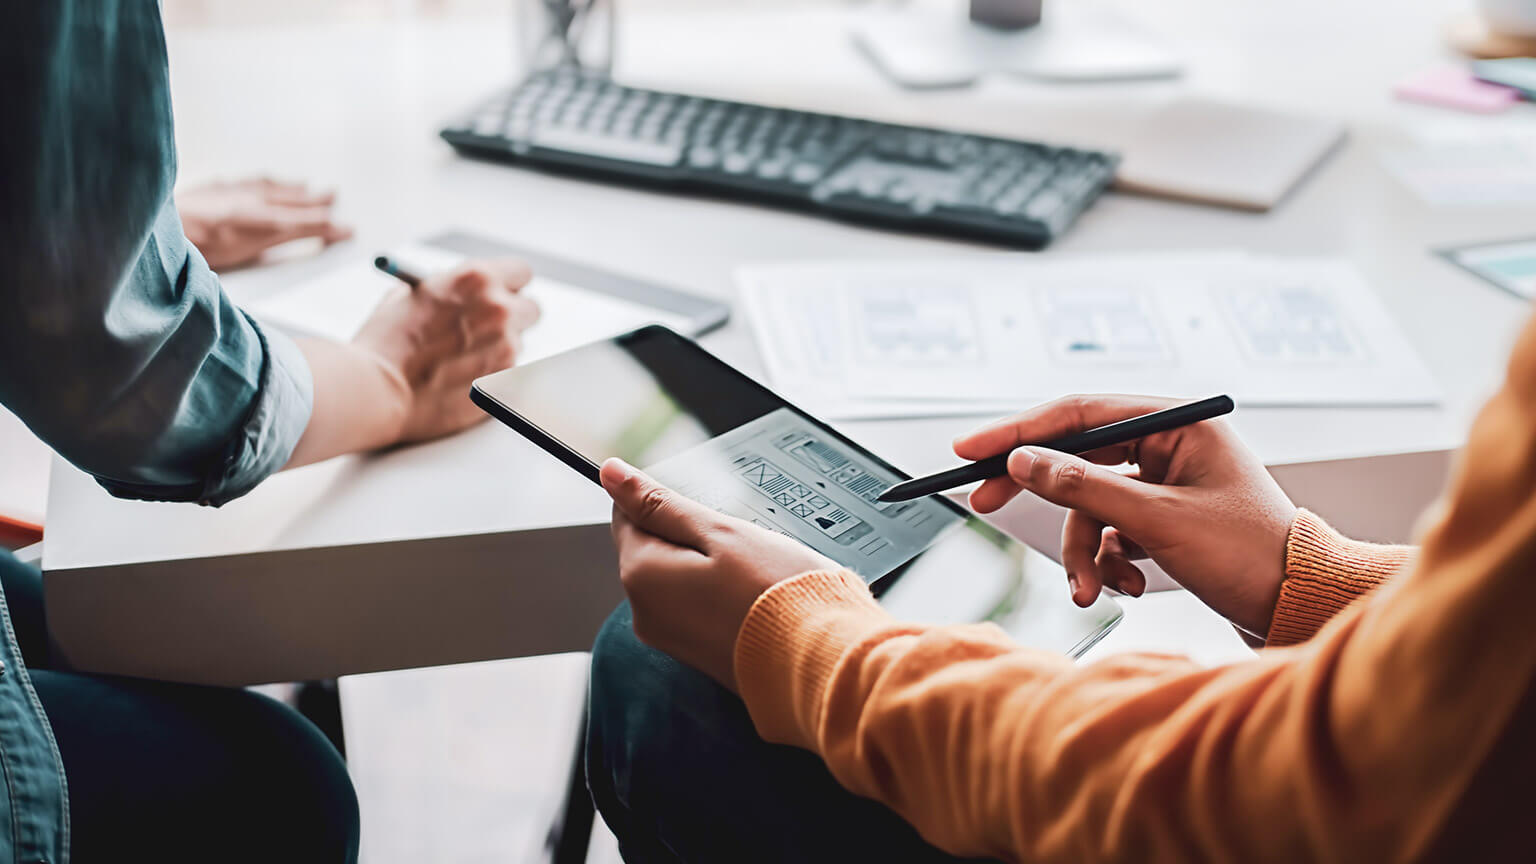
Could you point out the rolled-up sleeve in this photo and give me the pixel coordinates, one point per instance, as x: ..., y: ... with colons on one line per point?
x: 118, y: 346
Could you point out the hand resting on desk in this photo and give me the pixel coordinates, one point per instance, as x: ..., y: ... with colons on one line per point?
x: 1199, y: 503
x: 233, y: 223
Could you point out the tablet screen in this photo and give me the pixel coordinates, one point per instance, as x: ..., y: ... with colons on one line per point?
x: 741, y: 450
x: 660, y: 402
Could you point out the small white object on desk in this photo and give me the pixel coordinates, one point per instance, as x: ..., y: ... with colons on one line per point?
x: 1076, y: 40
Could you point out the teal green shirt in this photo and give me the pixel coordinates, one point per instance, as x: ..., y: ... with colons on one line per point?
x: 118, y: 346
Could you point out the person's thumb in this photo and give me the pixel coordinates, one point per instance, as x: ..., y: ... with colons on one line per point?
x: 654, y: 508
x: 1064, y: 479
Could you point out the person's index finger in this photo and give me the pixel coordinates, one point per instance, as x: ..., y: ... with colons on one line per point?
x: 477, y: 277
x: 1072, y: 482
x: 298, y: 221
x: 515, y: 274
x: 1054, y: 419
x: 525, y: 312
x: 654, y: 508
x: 299, y: 197
x: 276, y: 183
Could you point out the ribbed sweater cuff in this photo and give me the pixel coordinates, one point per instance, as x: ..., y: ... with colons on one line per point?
x: 1325, y: 572
x: 790, y: 644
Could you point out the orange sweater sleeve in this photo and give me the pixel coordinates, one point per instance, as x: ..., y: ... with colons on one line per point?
x: 1395, y: 733
x: 1325, y: 572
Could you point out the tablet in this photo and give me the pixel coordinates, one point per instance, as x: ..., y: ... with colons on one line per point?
x: 659, y: 401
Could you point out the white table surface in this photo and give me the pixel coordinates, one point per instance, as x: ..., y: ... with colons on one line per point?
x: 356, y: 104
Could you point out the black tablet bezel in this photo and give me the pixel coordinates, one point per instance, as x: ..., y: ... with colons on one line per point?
x: 589, y: 469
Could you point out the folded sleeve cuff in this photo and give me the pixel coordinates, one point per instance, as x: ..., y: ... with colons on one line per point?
x: 1325, y: 572
x: 277, y: 420
x: 790, y: 645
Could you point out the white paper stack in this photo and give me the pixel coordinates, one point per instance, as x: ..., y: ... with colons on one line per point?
x: 983, y: 335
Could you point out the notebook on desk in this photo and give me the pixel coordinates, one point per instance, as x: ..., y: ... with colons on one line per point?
x: 578, y: 303
x: 1229, y: 155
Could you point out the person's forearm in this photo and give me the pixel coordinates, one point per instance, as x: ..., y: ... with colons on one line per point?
x: 993, y: 750
x: 360, y: 403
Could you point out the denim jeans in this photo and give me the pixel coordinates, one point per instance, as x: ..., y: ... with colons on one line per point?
x: 160, y: 772
x: 680, y: 775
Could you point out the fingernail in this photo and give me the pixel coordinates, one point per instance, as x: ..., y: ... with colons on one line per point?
x: 1019, y: 462
x: 1072, y: 580
x: 618, y: 470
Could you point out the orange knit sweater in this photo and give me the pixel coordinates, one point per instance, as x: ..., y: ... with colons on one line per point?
x: 1396, y: 728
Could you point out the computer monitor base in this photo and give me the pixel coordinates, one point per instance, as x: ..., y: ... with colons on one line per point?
x: 925, y: 48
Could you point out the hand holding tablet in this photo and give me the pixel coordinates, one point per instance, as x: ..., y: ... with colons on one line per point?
x: 711, y: 435
x: 691, y: 573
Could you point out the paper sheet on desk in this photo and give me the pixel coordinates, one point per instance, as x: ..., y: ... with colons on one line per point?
x: 1469, y: 170
x: 337, y: 304
x: 990, y: 334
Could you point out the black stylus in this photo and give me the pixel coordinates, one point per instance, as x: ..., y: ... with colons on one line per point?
x: 385, y: 264
x: 1123, y: 432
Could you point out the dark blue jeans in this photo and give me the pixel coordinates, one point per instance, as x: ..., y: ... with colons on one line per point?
x: 178, y: 773
x: 680, y: 775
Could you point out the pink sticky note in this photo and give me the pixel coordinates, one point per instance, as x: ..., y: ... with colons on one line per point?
x: 1454, y: 87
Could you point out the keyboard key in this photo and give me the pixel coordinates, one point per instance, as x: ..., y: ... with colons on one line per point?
x: 607, y: 146
x: 805, y: 173
x: 772, y: 170
x: 1043, y: 206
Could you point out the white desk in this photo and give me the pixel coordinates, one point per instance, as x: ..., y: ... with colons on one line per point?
x: 357, y: 104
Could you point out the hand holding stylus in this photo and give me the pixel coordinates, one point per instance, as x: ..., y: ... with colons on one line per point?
x: 1199, y: 503
x: 1083, y: 441
x: 442, y: 334
x: 404, y: 377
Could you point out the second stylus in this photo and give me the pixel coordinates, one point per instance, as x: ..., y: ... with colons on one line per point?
x: 1089, y: 440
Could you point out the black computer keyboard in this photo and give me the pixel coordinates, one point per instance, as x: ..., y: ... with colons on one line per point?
x: 1015, y: 192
